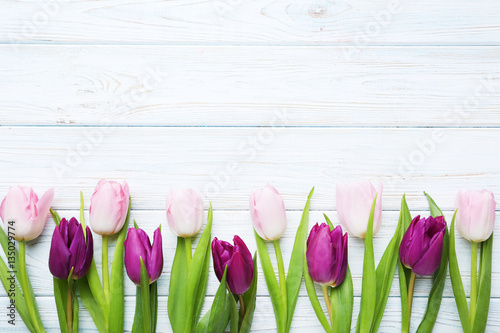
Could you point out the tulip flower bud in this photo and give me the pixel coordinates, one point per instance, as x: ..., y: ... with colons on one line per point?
x: 27, y: 214
x: 108, y: 207
x: 69, y: 250
x: 475, y: 215
x: 422, y: 245
x: 268, y: 213
x: 354, y: 203
x: 327, y: 255
x: 239, y: 264
x: 185, y: 212
x: 137, y: 245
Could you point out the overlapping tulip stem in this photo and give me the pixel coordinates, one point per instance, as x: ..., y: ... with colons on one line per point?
x: 473, y: 283
x: 26, y: 287
x: 411, y: 288
x: 105, y: 268
x: 328, y: 302
x: 242, y: 306
x: 281, y: 273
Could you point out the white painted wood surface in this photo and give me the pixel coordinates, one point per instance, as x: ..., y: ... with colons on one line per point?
x: 228, y: 95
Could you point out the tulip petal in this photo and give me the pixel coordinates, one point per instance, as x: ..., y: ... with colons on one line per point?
x: 89, y: 253
x: 430, y: 261
x: 78, y: 252
x: 320, y: 260
x: 156, y: 260
x: 59, y: 256
x: 239, y: 274
x: 134, y: 250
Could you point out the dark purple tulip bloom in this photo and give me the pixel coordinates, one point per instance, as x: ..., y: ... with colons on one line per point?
x: 327, y: 255
x: 137, y: 245
x: 422, y: 245
x: 239, y: 264
x: 69, y: 250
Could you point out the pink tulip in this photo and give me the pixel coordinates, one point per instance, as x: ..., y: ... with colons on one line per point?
x: 268, y: 213
x: 28, y: 214
x: 108, y: 207
x: 476, y: 214
x: 354, y: 202
x: 185, y: 212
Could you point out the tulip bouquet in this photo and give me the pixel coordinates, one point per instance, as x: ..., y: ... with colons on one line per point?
x: 189, y: 276
x: 421, y: 253
x: 326, y: 264
x: 359, y: 208
x: 24, y: 217
x: 268, y: 216
x: 237, y: 271
x: 475, y: 218
x: 144, y: 265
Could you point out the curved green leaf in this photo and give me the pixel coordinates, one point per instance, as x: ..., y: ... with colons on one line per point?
x: 456, y: 281
x: 153, y: 296
x: 138, y: 326
x: 146, y: 305
x: 196, y: 275
x: 88, y: 300
x: 250, y: 299
x: 483, y: 299
x: 116, y: 297
x: 217, y: 323
x: 61, y: 298
x: 295, y: 268
x: 342, y: 300
x: 369, y: 285
x: 177, y: 289
x: 403, y: 272
x: 272, y: 283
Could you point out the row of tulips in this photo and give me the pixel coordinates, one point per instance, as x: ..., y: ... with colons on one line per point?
x: 420, y: 246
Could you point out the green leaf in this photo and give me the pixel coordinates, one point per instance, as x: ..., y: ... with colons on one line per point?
x: 436, y: 294
x: 61, y: 298
x: 272, y: 283
x: 55, y: 216
x: 330, y: 224
x: 369, y: 286
x: 456, y: 281
x: 116, y: 297
x: 250, y: 299
x: 216, y: 322
x: 203, y: 323
x: 295, y: 268
x: 342, y: 300
x: 197, y: 276
x: 97, y: 293
x: 385, y: 275
x: 232, y: 310
x: 138, y: 326
x: 177, y: 289
x: 146, y: 310
x: 313, y: 297
x: 483, y: 299
x: 403, y: 272
x: 153, y: 296
x: 200, y: 293
x: 90, y: 304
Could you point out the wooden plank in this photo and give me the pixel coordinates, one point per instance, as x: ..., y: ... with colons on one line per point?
x: 330, y: 22
x: 229, y: 223
x: 147, y: 85
x: 226, y: 164
x: 304, y: 318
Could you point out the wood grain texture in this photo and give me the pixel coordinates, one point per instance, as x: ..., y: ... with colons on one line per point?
x: 348, y: 22
x: 144, y: 85
x: 226, y: 164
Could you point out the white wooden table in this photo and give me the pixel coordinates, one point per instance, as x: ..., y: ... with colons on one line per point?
x: 228, y: 95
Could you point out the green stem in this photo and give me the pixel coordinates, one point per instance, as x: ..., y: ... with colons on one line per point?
x: 242, y: 307
x: 189, y: 253
x: 27, y: 292
x: 328, y: 303
x: 473, y: 282
x: 411, y: 288
x: 281, y: 270
x: 105, y: 268
x: 69, y: 308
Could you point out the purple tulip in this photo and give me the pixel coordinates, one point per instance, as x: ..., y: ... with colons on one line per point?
x: 327, y: 255
x: 69, y: 250
x: 137, y: 245
x: 422, y: 245
x: 239, y: 264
